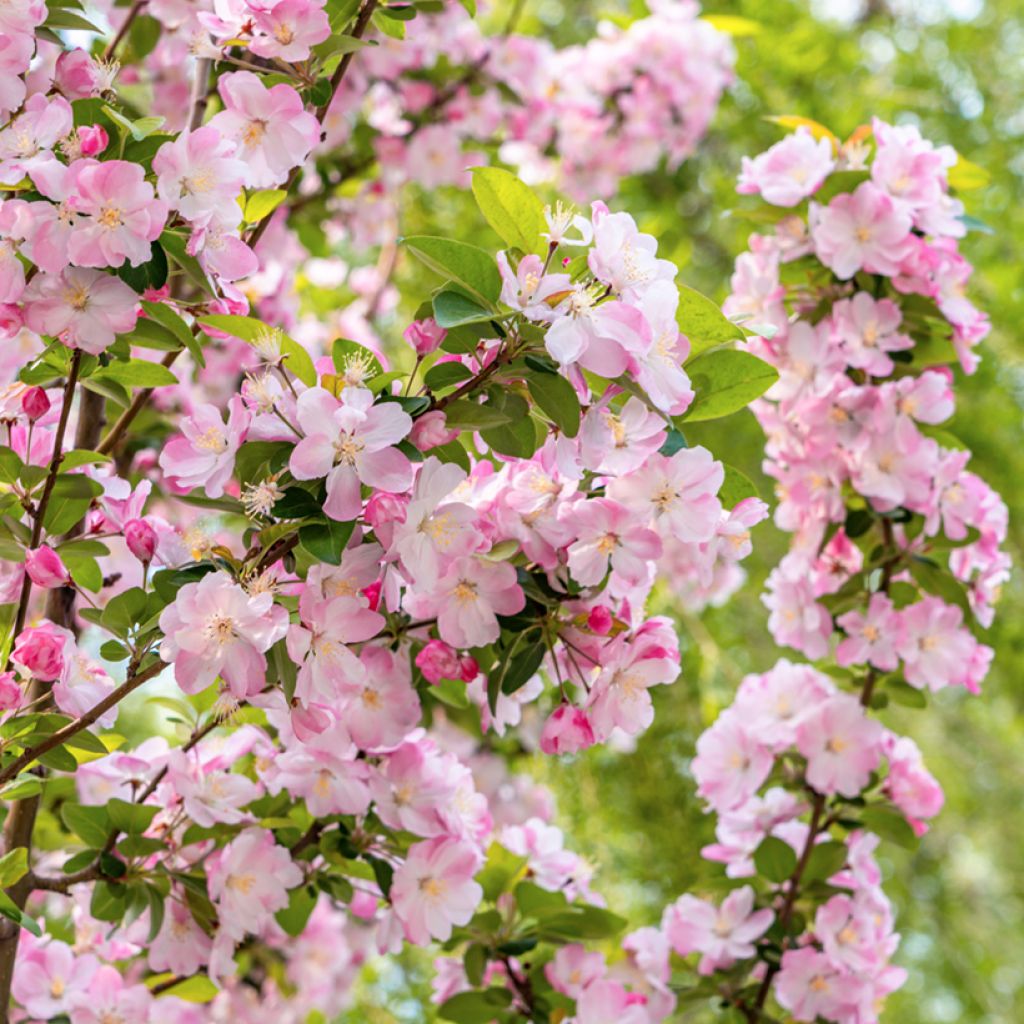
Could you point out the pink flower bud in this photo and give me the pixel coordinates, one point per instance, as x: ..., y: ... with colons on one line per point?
x: 10, y: 692
x: 469, y: 668
x: 385, y: 508
x: 45, y: 568
x: 566, y: 731
x: 76, y: 75
x: 438, y: 661
x: 35, y: 403
x: 424, y: 336
x: 429, y: 431
x: 39, y: 650
x: 600, y: 620
x: 372, y: 593
x: 141, y: 539
x: 363, y: 904
x: 93, y: 139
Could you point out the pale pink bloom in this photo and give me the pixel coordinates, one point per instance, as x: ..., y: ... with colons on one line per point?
x: 721, y: 934
x: 797, y: 619
x: 435, y: 152
x: 608, y: 1002
x: 109, y: 998
x: 842, y: 745
x: 425, y: 336
x: 40, y: 651
x: 573, y: 969
x: 772, y: 704
x: 11, y: 694
x: 790, y: 170
x: 349, y: 442
x: 623, y: 257
x: 270, y: 127
x: 384, y: 708
x: 249, y: 880
x: 529, y: 289
x: 288, y: 28
x: 567, y: 731
x: 433, y: 889
x: 601, y: 337
x: 809, y: 360
x: 619, y: 442
x: 677, y: 494
x: 731, y: 763
x: 119, y: 216
x: 552, y: 866
x: 215, y: 628
x: 16, y: 51
x: 468, y: 598
x: 13, y: 216
x: 958, y: 497
x: 909, y: 784
x: 660, y: 369
x: 210, y: 796
x: 935, y: 647
x: 83, y: 308
x: 429, y: 431
x: 45, y: 568
x: 862, y: 230
x: 411, y: 785
x: 204, y: 456
x: 811, y: 986
x: 82, y: 685
x: 435, y: 529
x: 872, y: 636
x: 26, y: 144
x: 49, y: 981
x: 868, y: 331
x: 318, y: 644
x: 329, y: 783
x: 199, y: 175
x: 607, y: 535
x: 180, y: 946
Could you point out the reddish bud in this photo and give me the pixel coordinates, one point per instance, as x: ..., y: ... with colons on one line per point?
x: 141, y: 539
x: 35, y: 403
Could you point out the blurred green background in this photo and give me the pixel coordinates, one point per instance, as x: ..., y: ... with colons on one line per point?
x: 955, y: 67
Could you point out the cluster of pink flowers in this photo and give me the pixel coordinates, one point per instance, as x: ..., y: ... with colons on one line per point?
x: 17, y: 48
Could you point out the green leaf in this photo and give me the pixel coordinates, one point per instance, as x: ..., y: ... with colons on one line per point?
x: 703, y: 323
x: 774, y: 859
x: 557, y: 399
x: 262, y: 204
x: 468, y: 414
x: 13, y: 866
x: 296, y: 358
x: 941, y: 582
x: 888, y: 823
x: 446, y: 375
x: 69, y: 501
x: 21, y: 787
x: 472, y: 268
x: 475, y: 1007
x: 901, y: 692
x: 10, y: 910
x: 85, y: 570
x: 736, y: 487
x: 451, y: 692
x: 826, y: 859
x: 965, y: 175
x: 453, y: 309
x: 501, y: 871
x: 726, y: 381
x: 197, y: 989
x: 584, y: 922
x: 347, y: 355
x: 510, y: 207
x: 89, y: 823
x: 129, y: 817
x: 108, y: 901
x: 326, y: 540
x: 162, y: 314
x: 301, y: 902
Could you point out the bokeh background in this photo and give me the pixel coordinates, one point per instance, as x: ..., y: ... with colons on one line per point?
x: 956, y: 68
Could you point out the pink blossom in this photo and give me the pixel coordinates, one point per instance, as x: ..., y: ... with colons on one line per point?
x: 722, y: 934
x: 119, y: 216
x: 270, y: 127
x: 350, y: 442
x: 868, y: 332
x: 76, y: 75
x: 141, y: 539
x: 27, y: 143
x: 871, y: 637
x: 434, y: 889
x: 567, y: 731
x: 623, y: 257
x: 84, y: 308
x: 790, y: 170
x: 529, y: 289
x: 249, y: 881
x: 935, y: 647
x: 862, y: 230
x: 210, y: 796
x: 384, y: 707
x: 601, y: 337
x: 573, y: 969
x: 180, y: 946
x: 215, y: 628
x: 35, y: 403
x: 110, y: 998
x: 424, y: 336
x: 842, y: 745
x: 328, y: 782
x: 608, y: 1002
x: 289, y: 28
x: 607, y: 536
x: 731, y: 763
x: 660, y: 369
x: 92, y: 139
x: 199, y: 175
x: 40, y: 650
x: 205, y: 455
x: 438, y: 661
x: 811, y: 987
x: 49, y: 982
x: 45, y: 568
x: 11, y: 694
x: 909, y: 784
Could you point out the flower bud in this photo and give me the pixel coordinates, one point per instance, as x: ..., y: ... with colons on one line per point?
x: 35, y: 403
x: 10, y: 692
x: 424, y: 336
x: 39, y: 650
x: 45, y: 568
x: 93, y: 139
x: 469, y: 668
x: 600, y: 620
x: 76, y: 75
x: 372, y: 594
x: 438, y: 661
x: 566, y: 731
x: 429, y: 431
x: 141, y: 539
x: 384, y: 508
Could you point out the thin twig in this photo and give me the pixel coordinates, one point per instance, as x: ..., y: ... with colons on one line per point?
x: 133, y: 13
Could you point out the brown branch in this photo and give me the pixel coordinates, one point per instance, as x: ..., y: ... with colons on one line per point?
x: 136, y: 10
